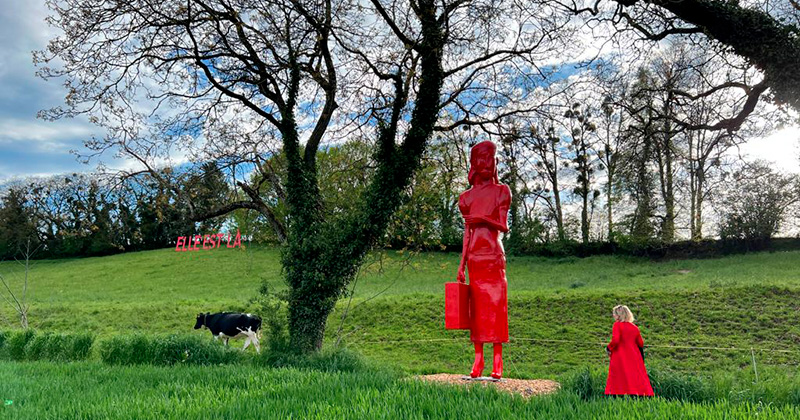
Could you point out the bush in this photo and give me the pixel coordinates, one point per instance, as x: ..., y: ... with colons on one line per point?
x: 737, y: 387
x: 165, y: 350
x: 336, y: 360
x: 59, y: 347
x: 15, y: 342
x: 587, y: 383
x: 591, y: 383
x: 673, y: 386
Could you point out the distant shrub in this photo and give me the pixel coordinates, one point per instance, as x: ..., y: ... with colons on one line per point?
x: 165, y: 350
x: 59, y: 347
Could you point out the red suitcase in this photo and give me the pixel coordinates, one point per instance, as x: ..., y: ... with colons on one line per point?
x: 456, y: 306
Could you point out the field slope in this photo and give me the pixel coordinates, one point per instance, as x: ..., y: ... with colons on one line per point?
x: 714, y: 319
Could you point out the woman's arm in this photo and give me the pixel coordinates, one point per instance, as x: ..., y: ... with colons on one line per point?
x: 615, y: 337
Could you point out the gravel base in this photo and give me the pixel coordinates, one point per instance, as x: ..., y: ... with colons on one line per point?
x: 524, y: 387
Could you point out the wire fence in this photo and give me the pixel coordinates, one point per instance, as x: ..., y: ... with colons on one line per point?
x: 751, y: 350
x: 583, y: 343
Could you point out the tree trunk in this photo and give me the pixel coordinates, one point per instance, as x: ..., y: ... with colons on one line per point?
x: 668, y: 231
x: 557, y: 197
x: 24, y: 319
x: 692, y: 198
x: 641, y: 229
x: 665, y: 156
x: 320, y: 259
x: 585, y: 218
x: 517, y: 221
x: 609, y: 203
x: 697, y: 232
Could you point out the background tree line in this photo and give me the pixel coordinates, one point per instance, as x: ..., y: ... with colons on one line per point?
x: 589, y: 177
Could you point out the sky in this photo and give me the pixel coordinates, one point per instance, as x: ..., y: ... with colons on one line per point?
x: 34, y: 147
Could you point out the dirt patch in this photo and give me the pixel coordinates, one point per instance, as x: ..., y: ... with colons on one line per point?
x: 524, y: 387
x: 684, y: 271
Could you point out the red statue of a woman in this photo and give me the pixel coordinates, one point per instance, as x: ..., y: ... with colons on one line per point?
x: 485, y: 210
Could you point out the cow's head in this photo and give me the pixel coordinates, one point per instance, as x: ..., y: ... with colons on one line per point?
x: 201, y: 320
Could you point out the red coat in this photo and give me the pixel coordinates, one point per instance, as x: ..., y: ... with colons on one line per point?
x: 626, y: 372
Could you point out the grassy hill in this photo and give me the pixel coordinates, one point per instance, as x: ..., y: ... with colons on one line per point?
x: 559, y: 315
x: 559, y: 308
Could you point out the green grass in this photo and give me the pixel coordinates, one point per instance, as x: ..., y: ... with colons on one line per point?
x: 552, y: 335
x: 739, y: 301
x: 90, y: 390
x: 559, y: 318
x: 208, y: 276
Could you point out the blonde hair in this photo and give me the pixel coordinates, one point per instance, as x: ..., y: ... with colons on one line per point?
x: 622, y: 313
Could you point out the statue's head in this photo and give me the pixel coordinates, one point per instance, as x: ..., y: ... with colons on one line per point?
x: 482, y: 162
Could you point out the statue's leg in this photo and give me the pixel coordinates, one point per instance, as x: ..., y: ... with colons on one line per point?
x: 497, y: 366
x: 477, y: 367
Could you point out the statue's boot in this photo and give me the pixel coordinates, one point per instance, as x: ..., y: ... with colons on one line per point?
x: 497, y: 366
x: 477, y: 367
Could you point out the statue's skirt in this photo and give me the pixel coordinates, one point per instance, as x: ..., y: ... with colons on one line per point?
x: 488, y: 294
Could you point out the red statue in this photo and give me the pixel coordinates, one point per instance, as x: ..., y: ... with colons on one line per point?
x: 485, y: 210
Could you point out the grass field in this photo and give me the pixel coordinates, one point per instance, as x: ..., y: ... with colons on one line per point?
x: 46, y: 390
x: 559, y: 320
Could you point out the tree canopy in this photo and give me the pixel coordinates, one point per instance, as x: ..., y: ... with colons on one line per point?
x: 224, y: 86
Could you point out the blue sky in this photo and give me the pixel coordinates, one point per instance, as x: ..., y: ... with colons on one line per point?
x: 30, y: 146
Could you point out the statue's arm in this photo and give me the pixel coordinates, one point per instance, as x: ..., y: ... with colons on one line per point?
x: 503, y: 206
x: 461, y: 277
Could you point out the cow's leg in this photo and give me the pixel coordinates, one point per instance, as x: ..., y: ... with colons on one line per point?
x: 226, y: 341
x: 257, y: 344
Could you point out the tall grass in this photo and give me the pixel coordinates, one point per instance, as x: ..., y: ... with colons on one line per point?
x: 773, y: 388
x: 165, y: 350
x: 30, y: 345
x: 92, y: 390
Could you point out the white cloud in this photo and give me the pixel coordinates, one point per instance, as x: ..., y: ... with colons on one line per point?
x: 12, y: 129
x: 782, y: 148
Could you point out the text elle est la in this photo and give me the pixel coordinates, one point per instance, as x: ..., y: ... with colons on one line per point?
x: 208, y: 241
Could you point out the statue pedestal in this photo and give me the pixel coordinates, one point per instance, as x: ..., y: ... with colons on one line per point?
x: 481, y: 379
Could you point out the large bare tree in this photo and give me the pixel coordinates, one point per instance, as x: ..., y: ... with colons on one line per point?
x: 235, y: 82
x: 763, y: 34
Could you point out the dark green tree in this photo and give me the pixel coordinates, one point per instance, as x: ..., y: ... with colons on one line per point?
x: 756, y: 205
x: 17, y: 223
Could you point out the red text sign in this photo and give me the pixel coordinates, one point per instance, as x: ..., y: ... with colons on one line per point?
x: 207, y: 241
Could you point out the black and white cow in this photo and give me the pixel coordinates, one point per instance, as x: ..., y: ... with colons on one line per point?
x: 227, y: 325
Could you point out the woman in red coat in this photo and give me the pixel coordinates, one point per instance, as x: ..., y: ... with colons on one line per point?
x: 485, y: 210
x: 626, y: 372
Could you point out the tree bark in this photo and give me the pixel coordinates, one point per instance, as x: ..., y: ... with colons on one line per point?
x: 557, y: 197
